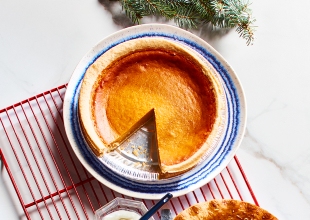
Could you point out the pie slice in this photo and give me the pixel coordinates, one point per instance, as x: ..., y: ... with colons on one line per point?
x: 145, y: 74
x: 225, y: 209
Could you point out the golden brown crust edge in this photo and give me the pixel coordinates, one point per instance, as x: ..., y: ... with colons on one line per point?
x: 85, y: 114
x: 225, y: 209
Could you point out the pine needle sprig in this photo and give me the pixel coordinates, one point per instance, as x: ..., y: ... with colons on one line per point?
x: 155, y: 7
x: 133, y: 10
x: 240, y: 15
x: 186, y: 17
x: 192, y: 13
x: 205, y: 11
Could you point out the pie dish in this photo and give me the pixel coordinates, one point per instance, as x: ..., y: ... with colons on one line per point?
x: 161, y: 76
x: 225, y: 209
x: 147, y: 185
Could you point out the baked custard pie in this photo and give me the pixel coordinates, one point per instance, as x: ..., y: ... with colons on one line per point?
x: 159, y: 76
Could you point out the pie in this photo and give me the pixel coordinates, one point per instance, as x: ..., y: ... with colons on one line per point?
x: 224, y: 210
x: 159, y: 76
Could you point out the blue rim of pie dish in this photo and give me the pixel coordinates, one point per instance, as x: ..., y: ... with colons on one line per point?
x: 174, y: 184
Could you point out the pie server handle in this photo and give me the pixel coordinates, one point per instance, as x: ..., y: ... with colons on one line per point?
x: 156, y: 207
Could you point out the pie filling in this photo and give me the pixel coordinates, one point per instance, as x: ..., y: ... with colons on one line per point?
x: 177, y: 90
x: 173, y: 86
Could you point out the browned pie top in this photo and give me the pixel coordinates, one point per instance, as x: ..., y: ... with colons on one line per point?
x: 224, y: 210
x: 184, y: 96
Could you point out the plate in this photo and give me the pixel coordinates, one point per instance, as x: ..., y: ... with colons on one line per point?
x: 191, y: 180
x: 137, y: 157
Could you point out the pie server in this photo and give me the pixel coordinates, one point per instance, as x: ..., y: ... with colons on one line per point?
x: 156, y: 207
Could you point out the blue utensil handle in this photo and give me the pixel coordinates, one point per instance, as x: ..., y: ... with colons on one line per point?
x: 156, y: 207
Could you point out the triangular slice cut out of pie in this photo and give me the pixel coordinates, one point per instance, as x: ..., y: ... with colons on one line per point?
x: 153, y: 76
x: 132, y: 130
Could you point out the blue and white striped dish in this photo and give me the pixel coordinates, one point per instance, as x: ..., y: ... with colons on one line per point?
x: 192, y: 179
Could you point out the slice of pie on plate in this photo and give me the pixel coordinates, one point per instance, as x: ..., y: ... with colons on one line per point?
x: 159, y: 75
x: 226, y: 209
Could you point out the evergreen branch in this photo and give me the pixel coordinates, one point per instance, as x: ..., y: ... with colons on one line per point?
x: 157, y: 8
x: 205, y: 10
x: 133, y: 10
x: 192, y: 13
x: 186, y: 17
x: 240, y: 15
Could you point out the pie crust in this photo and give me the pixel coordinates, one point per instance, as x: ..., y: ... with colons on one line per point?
x: 132, y: 78
x: 223, y: 210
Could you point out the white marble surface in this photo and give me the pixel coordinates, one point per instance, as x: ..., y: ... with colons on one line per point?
x: 42, y: 41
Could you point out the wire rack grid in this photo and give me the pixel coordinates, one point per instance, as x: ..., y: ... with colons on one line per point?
x: 46, y: 181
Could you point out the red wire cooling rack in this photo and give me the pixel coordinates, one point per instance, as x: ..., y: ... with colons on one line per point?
x: 45, y: 177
